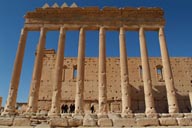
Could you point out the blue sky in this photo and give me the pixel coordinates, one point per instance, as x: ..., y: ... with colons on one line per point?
x: 178, y: 34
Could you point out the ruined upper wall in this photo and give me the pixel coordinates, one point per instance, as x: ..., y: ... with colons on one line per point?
x: 108, y: 16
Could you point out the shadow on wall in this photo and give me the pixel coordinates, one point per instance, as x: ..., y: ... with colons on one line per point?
x: 160, y: 97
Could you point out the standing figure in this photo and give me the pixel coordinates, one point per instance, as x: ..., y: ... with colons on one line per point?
x: 66, y: 108
x: 62, y: 108
x: 92, y: 108
x: 71, y: 108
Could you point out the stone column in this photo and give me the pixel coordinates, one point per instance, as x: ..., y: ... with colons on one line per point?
x: 102, y: 73
x: 169, y: 82
x: 125, y: 86
x: 57, y: 77
x: 12, y: 96
x: 79, y: 97
x: 149, y: 100
x: 36, y: 77
x: 190, y: 98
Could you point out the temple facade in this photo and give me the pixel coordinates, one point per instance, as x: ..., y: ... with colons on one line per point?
x: 135, y: 90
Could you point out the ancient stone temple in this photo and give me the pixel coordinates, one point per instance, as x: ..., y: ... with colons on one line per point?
x: 124, y: 91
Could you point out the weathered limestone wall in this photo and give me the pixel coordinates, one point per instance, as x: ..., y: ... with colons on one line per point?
x: 182, y: 73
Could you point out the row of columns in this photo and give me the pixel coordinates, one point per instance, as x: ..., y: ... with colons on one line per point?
x: 102, y: 85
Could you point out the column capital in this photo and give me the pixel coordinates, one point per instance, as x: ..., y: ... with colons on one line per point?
x: 62, y: 30
x: 122, y: 30
x: 102, y: 30
x: 44, y: 29
x: 24, y: 31
x: 161, y: 31
x: 161, y: 27
x: 82, y: 30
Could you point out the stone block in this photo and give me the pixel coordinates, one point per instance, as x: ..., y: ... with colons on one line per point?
x: 124, y: 122
x: 77, y: 116
x: 152, y: 115
x: 89, y: 122
x: 168, y: 121
x: 105, y: 122
x: 177, y: 115
x: 129, y: 115
x: 91, y: 116
x: 114, y: 116
x: 184, y: 121
x: 6, y: 121
x: 147, y: 122
x: 44, y: 125
x: 74, y: 122
x: 188, y: 115
x: 58, y: 122
x: 20, y: 127
x: 140, y: 115
x: 165, y: 115
x: 21, y: 122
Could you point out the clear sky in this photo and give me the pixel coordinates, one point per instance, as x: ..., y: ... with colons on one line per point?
x: 178, y: 34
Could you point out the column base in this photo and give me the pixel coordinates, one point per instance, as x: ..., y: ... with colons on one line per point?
x: 127, y: 115
x: 173, y: 110
x: 78, y: 115
x: 8, y: 113
x: 30, y: 114
x: 151, y: 112
x: 102, y: 115
x: 50, y: 114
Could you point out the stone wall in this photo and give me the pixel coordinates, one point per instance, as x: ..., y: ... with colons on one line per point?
x: 182, y: 74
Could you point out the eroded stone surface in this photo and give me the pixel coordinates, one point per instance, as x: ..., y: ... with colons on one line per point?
x: 124, y: 122
x: 75, y: 122
x: 6, y: 121
x: 105, y: 122
x: 89, y: 122
x: 184, y: 121
x: 21, y: 122
x: 168, y: 121
x: 147, y: 122
x: 58, y: 122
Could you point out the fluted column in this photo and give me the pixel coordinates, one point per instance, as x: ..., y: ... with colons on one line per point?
x: 169, y: 82
x: 14, y: 83
x: 79, y: 97
x: 36, y: 77
x: 57, y: 77
x: 149, y: 100
x: 102, y: 73
x: 125, y: 86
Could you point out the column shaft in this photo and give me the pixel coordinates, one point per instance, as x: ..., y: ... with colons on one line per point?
x: 102, y: 73
x: 149, y: 100
x: 190, y: 99
x: 14, y: 83
x: 125, y: 86
x: 79, y: 97
x: 57, y: 77
x: 169, y: 82
x: 37, y: 71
